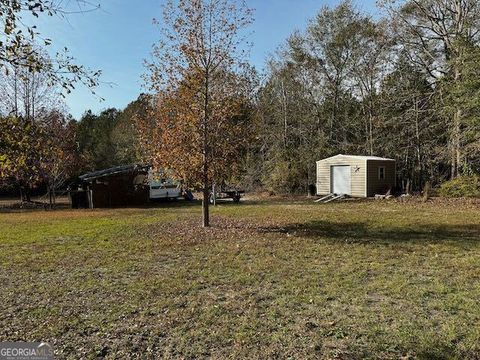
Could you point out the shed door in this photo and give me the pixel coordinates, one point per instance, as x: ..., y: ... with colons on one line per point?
x: 341, y: 179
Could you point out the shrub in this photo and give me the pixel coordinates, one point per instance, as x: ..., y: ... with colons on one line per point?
x: 281, y: 177
x: 463, y: 186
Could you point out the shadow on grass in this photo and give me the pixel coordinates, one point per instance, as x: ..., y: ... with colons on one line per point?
x: 159, y: 204
x: 359, y: 232
x: 156, y: 204
x: 229, y: 202
x: 198, y: 202
x: 171, y: 203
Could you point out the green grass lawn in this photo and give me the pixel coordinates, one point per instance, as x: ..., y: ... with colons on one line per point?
x: 284, y: 279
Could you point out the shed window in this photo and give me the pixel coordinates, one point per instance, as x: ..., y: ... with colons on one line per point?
x: 381, y: 172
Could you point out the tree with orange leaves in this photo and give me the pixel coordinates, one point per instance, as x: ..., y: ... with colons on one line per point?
x: 200, y: 77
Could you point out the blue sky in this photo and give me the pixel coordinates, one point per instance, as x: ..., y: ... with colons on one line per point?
x: 119, y: 36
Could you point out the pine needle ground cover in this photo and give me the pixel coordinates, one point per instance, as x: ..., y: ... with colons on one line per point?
x: 270, y: 279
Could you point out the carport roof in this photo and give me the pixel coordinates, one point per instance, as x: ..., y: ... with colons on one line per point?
x: 113, y: 171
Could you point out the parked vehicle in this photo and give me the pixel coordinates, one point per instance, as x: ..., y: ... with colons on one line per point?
x: 162, y: 187
x: 225, y: 192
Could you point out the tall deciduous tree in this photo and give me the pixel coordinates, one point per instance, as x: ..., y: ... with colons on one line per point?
x: 43, y: 151
x: 60, y: 154
x: 436, y: 35
x: 37, y: 144
x: 124, y: 135
x: 409, y: 130
x: 464, y: 94
x: 27, y: 93
x: 329, y: 51
x: 195, y: 73
x: 21, y: 153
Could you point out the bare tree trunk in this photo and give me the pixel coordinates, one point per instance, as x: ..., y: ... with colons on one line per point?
x: 26, y: 99
x: 285, y: 118
x: 370, y: 131
x: 16, y: 92
x: 456, y: 133
x: 418, y: 145
x: 32, y: 94
x: 371, y: 115
x: 27, y: 194
x: 333, y: 120
x: 406, y: 184
x: 367, y: 139
x: 205, y: 200
x: 460, y: 16
x: 453, y: 166
x: 50, y: 198
x: 206, y: 190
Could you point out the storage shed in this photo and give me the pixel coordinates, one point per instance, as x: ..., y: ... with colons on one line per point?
x: 356, y: 176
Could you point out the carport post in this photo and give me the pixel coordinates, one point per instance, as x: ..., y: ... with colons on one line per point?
x: 90, y: 197
x: 214, y: 192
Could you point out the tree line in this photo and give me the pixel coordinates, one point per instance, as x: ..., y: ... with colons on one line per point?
x: 404, y: 85
x: 42, y: 146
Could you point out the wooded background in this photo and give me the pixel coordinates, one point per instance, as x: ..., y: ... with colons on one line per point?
x: 404, y: 85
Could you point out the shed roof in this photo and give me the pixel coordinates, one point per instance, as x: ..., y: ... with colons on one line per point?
x: 360, y: 157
